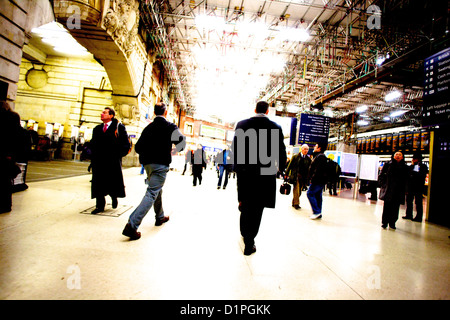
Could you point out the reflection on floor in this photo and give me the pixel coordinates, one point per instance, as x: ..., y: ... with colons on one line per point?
x: 51, y: 251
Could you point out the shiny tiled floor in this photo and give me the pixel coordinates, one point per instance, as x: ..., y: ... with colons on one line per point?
x: 51, y: 251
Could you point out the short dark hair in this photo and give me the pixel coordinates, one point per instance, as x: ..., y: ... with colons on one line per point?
x: 160, y: 108
x: 323, y: 146
x: 111, y: 111
x: 262, y: 107
x: 417, y: 155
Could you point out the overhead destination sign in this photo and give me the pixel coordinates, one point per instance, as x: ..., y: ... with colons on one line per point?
x: 313, y: 129
x: 436, y: 101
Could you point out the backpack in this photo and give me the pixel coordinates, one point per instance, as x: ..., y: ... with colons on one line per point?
x: 116, y: 133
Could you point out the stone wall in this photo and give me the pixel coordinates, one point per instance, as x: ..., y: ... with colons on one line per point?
x: 17, y: 18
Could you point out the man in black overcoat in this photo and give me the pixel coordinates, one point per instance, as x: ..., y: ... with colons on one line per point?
x: 109, y: 144
x: 259, y: 152
x: 417, y: 174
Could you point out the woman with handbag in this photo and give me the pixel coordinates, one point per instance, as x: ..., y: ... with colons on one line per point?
x: 392, y: 181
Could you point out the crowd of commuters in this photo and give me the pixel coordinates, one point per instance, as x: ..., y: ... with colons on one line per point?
x: 257, y: 156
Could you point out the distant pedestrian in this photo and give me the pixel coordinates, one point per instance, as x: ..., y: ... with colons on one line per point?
x: 259, y: 152
x: 198, y: 164
x: 333, y: 180
x: 187, y: 160
x: 297, y: 173
x: 109, y: 144
x: 223, y: 163
x: 392, y: 180
x: 417, y: 174
x: 154, y: 148
x: 318, y: 179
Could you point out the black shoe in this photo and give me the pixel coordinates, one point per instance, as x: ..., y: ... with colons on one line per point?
x: 391, y: 226
x: 130, y: 232
x: 407, y: 217
x: 114, y: 203
x: 249, y: 250
x: 159, y: 222
x: 384, y: 226
x: 296, y: 206
x: 97, y: 210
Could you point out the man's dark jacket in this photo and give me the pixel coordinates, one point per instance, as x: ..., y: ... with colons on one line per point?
x: 254, y: 185
x: 318, y: 169
x: 155, y: 144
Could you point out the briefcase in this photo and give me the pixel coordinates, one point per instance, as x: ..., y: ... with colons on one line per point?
x: 285, y: 188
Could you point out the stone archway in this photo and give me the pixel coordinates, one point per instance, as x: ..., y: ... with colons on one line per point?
x: 108, y: 29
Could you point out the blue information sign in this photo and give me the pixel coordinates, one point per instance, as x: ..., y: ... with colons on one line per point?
x: 436, y: 101
x: 313, y: 129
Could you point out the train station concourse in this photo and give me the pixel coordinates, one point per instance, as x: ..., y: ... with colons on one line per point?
x: 361, y: 80
x: 53, y: 248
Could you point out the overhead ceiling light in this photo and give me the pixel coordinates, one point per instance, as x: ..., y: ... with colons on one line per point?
x: 294, y: 34
x: 362, y: 108
x: 391, y: 96
x: 380, y: 60
x: 55, y: 35
x: 328, y: 113
x: 398, y: 113
x: 362, y: 122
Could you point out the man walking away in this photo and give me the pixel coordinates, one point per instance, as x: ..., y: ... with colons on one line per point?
x: 258, y: 150
x: 154, y: 148
x: 318, y: 178
x: 223, y: 163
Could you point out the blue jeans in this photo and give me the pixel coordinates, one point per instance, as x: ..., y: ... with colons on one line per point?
x: 156, y: 176
x: 223, y: 170
x: 314, y: 195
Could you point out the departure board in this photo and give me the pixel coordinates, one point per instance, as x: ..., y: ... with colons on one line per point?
x: 436, y: 101
x: 313, y: 129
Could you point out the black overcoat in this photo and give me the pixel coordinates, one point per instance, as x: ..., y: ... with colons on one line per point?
x: 392, y: 180
x: 252, y: 155
x: 108, y: 148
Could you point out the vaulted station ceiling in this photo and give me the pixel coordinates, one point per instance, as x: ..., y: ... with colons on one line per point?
x: 331, y: 55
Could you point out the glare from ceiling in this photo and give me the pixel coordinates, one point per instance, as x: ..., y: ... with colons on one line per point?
x: 230, y: 76
x: 56, y: 36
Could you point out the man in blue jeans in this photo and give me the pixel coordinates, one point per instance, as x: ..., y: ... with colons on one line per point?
x: 223, y: 162
x: 154, y: 148
x: 317, y: 175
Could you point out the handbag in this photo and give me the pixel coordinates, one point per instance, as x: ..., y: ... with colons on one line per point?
x: 285, y: 188
x: 382, y: 194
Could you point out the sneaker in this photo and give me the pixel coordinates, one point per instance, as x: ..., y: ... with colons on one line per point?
x: 316, y: 216
x: 161, y: 221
